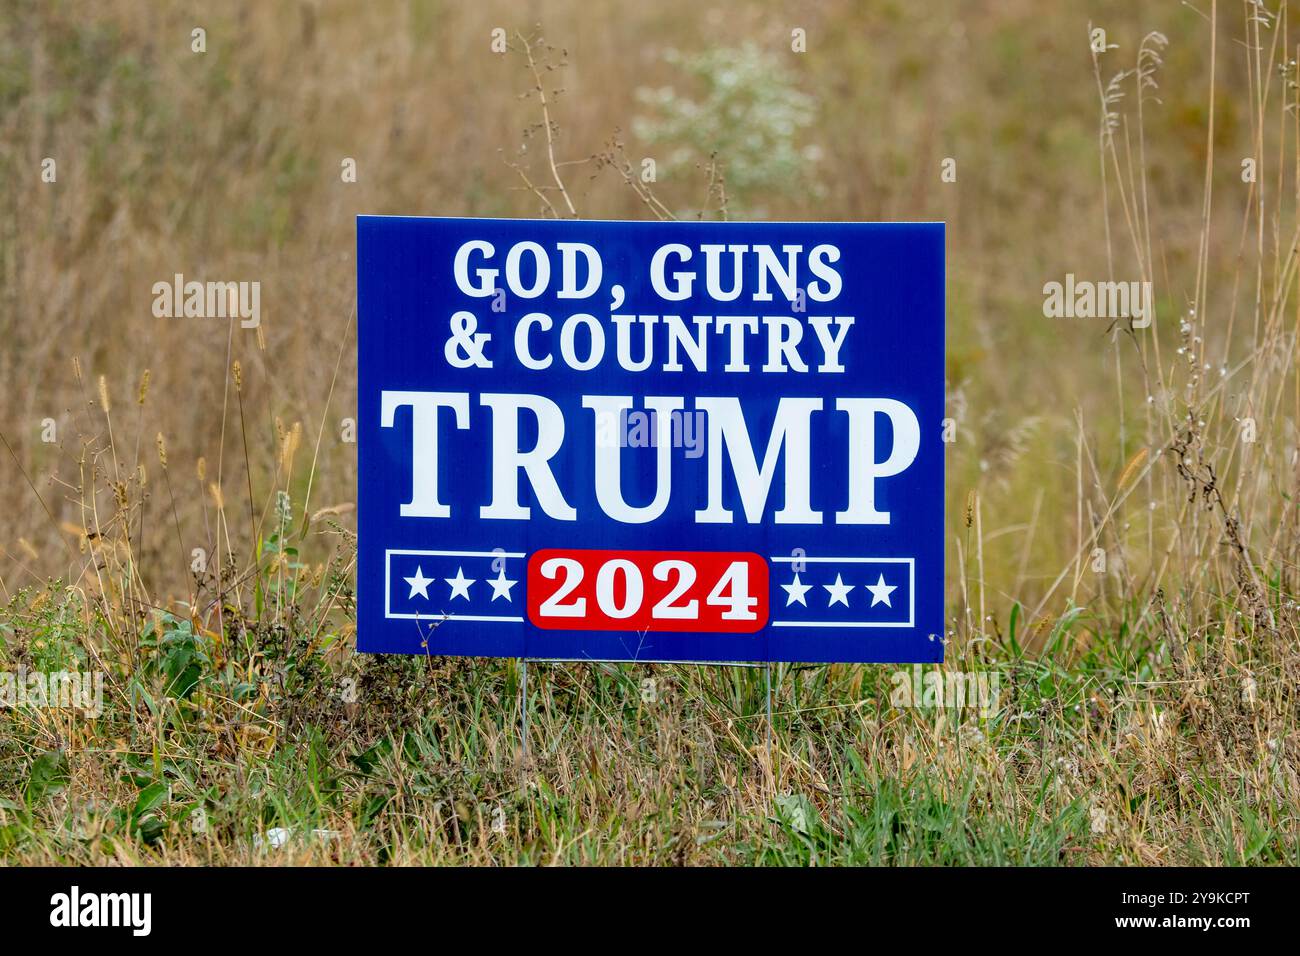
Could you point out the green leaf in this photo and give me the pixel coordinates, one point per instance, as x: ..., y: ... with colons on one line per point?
x: 150, y: 799
x: 49, y: 775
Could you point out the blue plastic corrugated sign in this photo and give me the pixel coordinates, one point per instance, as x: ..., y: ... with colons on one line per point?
x: 651, y: 441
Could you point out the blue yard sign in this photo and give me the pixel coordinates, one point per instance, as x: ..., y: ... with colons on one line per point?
x: 652, y: 441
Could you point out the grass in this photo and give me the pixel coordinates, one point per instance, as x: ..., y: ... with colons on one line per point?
x: 1122, y: 560
x: 208, y: 746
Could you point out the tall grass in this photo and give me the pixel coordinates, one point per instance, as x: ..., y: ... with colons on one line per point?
x: 1122, y: 558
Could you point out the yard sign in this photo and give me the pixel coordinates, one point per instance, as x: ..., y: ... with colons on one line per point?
x: 651, y: 441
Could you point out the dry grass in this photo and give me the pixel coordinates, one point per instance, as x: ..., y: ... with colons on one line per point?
x: 1147, y: 710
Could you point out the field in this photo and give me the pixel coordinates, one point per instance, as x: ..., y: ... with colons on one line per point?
x: 1123, y: 645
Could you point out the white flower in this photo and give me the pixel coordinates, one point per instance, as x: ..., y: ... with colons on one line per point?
x: 275, y: 838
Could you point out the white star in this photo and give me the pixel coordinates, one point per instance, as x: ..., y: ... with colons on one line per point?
x: 460, y: 585
x: 501, y: 586
x: 839, y: 592
x: 419, y: 584
x: 880, y: 591
x: 796, y: 591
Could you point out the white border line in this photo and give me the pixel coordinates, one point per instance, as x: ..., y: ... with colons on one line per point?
x: 911, y: 592
x: 388, y: 586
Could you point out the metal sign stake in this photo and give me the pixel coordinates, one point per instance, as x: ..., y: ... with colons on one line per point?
x: 767, y: 681
x: 523, y: 705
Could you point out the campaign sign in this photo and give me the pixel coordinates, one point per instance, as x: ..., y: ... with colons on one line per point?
x: 652, y: 441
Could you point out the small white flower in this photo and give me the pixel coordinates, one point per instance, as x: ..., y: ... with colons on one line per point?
x: 275, y: 838
x: 1098, y: 819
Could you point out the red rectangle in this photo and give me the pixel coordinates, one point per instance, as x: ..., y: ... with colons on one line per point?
x: 717, y: 591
